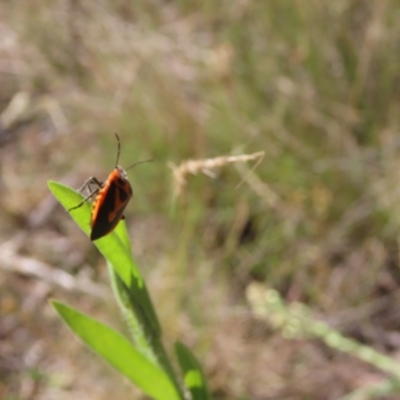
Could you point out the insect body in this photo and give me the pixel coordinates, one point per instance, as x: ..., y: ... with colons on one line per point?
x: 112, y: 196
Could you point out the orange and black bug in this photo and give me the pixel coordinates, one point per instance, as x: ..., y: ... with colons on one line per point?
x: 112, y: 196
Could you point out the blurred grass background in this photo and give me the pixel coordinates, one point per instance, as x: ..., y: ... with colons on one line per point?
x: 316, y: 85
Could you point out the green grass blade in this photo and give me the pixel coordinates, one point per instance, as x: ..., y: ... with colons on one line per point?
x: 108, y: 245
x: 115, y: 247
x: 145, y: 341
x: 143, y: 309
x: 193, y: 374
x: 122, y: 232
x: 135, y: 316
x: 131, y: 294
x: 119, y: 352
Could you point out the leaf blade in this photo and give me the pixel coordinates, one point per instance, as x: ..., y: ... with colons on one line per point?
x: 115, y: 247
x: 193, y: 374
x: 119, y: 352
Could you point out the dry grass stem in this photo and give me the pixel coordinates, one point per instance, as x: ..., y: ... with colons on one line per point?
x: 23, y: 107
x: 10, y: 260
x: 260, y: 187
x: 17, y: 106
x: 206, y: 166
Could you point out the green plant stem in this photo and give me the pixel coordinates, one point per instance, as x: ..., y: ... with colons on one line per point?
x: 146, y: 338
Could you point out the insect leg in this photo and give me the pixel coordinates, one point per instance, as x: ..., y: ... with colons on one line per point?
x: 85, y: 200
x: 86, y: 184
x: 91, y: 180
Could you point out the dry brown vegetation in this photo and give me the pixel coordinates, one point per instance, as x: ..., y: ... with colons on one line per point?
x: 313, y: 86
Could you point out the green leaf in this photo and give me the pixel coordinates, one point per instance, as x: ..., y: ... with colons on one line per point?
x: 193, y: 374
x: 119, y: 352
x: 122, y: 232
x: 108, y: 245
x: 115, y: 247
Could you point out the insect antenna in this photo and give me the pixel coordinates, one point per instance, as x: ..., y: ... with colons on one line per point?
x: 119, y: 149
x: 137, y: 163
